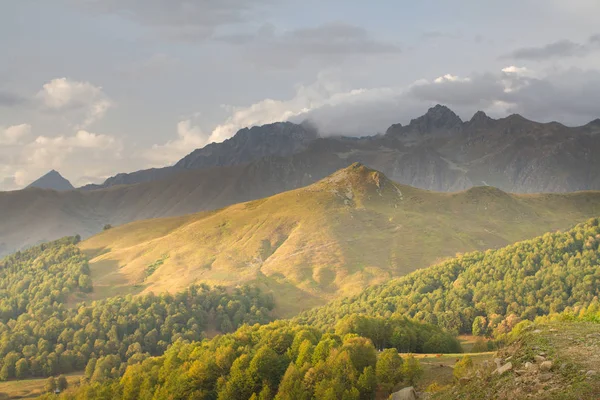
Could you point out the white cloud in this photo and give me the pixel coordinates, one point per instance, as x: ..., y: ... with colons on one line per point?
x: 81, y: 101
x: 189, y: 137
x: 83, y: 150
x: 450, y: 78
x: 14, y: 134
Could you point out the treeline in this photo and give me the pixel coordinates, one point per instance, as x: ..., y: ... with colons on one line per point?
x: 41, y: 336
x: 487, y: 293
x: 400, y: 333
x: 282, y: 360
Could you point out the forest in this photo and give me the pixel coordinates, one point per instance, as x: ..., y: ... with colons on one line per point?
x: 44, y: 331
x: 486, y: 293
x: 281, y: 360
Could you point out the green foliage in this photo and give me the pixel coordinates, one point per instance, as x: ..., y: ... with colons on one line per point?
x: 536, y: 277
x: 61, y: 383
x: 389, y: 370
x: 256, y: 362
x: 41, y: 336
x: 411, y: 370
x: 399, y: 332
x: 50, y: 385
x: 150, y: 269
x: 463, y: 367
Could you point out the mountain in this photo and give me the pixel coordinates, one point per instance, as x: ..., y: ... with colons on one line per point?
x: 52, y: 180
x: 346, y: 232
x: 279, y: 139
x: 437, y: 151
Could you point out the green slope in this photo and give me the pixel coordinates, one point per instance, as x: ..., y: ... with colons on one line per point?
x: 334, y: 238
x: 488, y: 292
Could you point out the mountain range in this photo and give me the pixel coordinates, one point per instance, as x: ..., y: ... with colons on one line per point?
x: 350, y: 230
x: 437, y: 151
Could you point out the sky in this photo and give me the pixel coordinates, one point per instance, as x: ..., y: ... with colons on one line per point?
x: 96, y: 87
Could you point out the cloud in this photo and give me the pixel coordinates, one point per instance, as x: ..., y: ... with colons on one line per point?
x: 14, y: 134
x: 560, y: 49
x: 328, y: 43
x: 180, y: 19
x: 9, y: 99
x: 81, y: 101
x: 25, y: 161
x: 189, y: 137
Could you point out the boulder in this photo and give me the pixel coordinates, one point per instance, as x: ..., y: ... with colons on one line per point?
x: 408, y: 393
x: 503, y: 369
x: 545, y: 377
x: 539, y: 358
x: 546, y: 366
x: 528, y: 365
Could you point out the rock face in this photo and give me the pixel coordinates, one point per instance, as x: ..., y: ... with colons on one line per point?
x: 52, y: 180
x: 407, y: 393
x: 280, y: 139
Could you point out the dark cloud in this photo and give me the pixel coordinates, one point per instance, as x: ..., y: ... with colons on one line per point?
x: 9, y: 99
x: 179, y: 19
x: 571, y: 97
x: 328, y: 43
x: 559, y: 49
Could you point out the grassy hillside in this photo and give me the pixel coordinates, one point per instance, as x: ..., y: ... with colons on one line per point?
x: 334, y: 238
x: 572, y: 349
x: 487, y: 292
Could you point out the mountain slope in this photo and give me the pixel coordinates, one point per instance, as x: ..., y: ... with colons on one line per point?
x: 350, y: 230
x: 52, y: 180
x: 488, y: 292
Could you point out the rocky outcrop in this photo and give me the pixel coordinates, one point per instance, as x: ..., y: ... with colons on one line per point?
x: 407, y: 393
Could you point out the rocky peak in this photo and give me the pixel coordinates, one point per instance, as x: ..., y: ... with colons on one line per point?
x: 437, y: 118
x: 248, y: 144
x: 480, y: 119
x: 52, y: 180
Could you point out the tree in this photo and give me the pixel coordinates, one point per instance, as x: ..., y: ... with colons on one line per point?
x: 107, y: 227
x: 61, y: 383
x: 50, y: 385
x: 304, y: 353
x: 479, y: 326
x: 291, y: 386
x: 412, y: 370
x: 463, y: 367
x: 367, y: 384
x: 389, y: 370
x: 22, y: 369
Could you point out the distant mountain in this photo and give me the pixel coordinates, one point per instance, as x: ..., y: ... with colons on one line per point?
x: 248, y: 144
x: 437, y: 151
x: 52, y: 180
x: 335, y: 237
